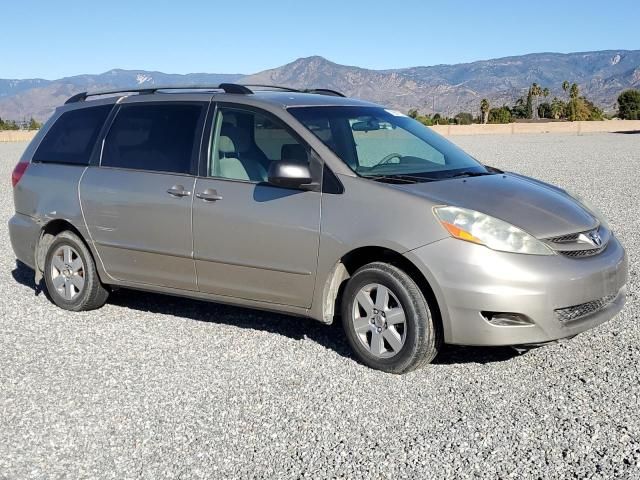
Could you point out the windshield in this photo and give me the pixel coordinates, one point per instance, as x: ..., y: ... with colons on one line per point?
x: 375, y: 142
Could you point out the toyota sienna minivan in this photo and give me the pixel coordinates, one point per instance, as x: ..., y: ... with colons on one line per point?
x: 312, y: 204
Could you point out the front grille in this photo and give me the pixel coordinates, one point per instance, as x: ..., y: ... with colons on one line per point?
x: 572, y: 237
x: 571, y: 314
x: 582, y: 253
x: 580, y: 244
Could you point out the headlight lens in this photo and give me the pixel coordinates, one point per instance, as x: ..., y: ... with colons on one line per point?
x: 479, y: 228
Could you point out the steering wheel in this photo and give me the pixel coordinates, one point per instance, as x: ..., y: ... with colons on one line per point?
x: 386, y: 159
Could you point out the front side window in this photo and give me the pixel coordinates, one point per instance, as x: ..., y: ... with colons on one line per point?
x: 155, y: 137
x: 245, y: 143
x: 72, y: 137
x: 375, y: 142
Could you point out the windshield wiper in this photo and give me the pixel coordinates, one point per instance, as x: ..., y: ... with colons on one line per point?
x: 471, y: 174
x: 401, y: 178
x: 493, y: 169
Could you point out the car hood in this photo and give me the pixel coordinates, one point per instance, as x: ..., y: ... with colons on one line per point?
x: 540, y: 209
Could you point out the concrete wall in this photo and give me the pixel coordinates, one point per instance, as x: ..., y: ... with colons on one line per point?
x: 575, y: 128
x: 17, y: 135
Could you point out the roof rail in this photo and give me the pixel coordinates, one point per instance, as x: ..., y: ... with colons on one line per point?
x: 324, y: 91
x: 318, y: 91
x: 226, y: 87
x: 273, y: 87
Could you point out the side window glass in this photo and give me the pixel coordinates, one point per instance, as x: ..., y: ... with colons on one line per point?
x: 155, y: 137
x: 72, y: 138
x: 245, y: 144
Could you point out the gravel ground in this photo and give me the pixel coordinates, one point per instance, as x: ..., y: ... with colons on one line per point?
x: 158, y: 387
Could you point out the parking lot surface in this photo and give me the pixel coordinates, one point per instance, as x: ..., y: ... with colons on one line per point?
x: 153, y: 387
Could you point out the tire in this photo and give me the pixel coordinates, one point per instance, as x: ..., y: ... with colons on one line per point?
x: 375, y: 334
x: 70, y: 275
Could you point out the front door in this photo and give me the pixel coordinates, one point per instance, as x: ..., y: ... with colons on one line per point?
x: 137, y: 203
x: 253, y: 240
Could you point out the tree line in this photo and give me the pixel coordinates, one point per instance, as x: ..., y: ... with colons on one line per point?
x: 32, y: 124
x: 572, y: 107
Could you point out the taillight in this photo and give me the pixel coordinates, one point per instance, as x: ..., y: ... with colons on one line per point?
x: 18, y: 172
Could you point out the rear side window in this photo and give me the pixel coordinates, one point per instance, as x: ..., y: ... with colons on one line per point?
x: 71, y: 139
x: 156, y: 137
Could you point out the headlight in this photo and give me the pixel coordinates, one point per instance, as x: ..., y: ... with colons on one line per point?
x: 479, y: 228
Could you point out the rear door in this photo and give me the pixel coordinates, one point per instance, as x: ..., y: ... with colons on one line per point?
x: 253, y: 240
x: 137, y: 202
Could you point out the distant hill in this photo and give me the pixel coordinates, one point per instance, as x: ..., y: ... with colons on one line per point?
x: 454, y: 88
x: 38, y: 98
x: 448, y: 89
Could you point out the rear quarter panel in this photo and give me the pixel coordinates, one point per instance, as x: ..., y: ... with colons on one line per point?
x: 49, y: 192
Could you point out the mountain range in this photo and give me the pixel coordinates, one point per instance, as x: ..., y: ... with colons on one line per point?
x: 448, y: 89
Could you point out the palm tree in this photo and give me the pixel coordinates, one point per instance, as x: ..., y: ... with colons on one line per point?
x: 574, y: 92
x: 557, y: 108
x: 536, y: 91
x: 545, y: 93
x: 572, y: 105
x: 484, y: 108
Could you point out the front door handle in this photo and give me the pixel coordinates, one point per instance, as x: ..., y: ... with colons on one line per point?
x: 209, y: 195
x: 178, y: 191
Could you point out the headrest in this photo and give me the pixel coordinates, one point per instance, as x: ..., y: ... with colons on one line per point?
x: 293, y: 152
x: 239, y: 136
x: 225, y: 145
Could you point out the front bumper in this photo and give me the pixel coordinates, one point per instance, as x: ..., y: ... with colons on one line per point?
x: 468, y: 279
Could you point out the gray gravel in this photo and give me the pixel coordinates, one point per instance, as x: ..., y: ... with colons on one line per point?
x: 158, y: 387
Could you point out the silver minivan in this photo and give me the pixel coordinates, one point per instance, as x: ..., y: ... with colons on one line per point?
x: 312, y: 204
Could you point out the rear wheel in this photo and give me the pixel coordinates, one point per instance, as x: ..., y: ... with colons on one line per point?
x: 387, y: 319
x: 70, y: 275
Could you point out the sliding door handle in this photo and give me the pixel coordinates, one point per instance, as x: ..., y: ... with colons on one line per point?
x: 178, y: 191
x: 209, y: 195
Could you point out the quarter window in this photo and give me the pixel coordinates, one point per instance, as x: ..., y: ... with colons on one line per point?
x: 156, y: 137
x: 73, y: 136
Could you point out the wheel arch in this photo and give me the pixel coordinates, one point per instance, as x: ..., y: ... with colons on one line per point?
x: 49, y: 231
x: 347, y: 265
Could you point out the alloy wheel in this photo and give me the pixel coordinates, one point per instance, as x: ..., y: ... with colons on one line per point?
x: 67, y: 272
x: 379, y: 320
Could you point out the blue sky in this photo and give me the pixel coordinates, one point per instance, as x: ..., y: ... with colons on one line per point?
x: 53, y: 39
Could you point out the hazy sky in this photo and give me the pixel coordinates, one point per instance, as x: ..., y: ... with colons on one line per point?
x: 50, y: 39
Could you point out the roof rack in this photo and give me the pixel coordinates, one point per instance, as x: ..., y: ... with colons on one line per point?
x: 272, y: 87
x: 318, y: 91
x: 324, y: 91
x: 226, y: 87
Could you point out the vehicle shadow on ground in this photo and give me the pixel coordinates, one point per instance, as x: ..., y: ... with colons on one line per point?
x: 297, y: 328
x: 25, y: 276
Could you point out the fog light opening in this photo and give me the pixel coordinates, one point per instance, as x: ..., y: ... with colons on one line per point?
x: 506, y: 319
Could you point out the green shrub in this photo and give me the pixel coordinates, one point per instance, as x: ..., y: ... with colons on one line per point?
x: 629, y: 105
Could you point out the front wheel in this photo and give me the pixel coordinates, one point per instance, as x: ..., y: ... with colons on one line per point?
x: 387, y: 320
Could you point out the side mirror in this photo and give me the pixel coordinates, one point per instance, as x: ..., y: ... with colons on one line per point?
x: 289, y: 174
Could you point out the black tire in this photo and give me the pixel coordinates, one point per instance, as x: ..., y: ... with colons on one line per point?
x: 422, y: 339
x: 93, y: 294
